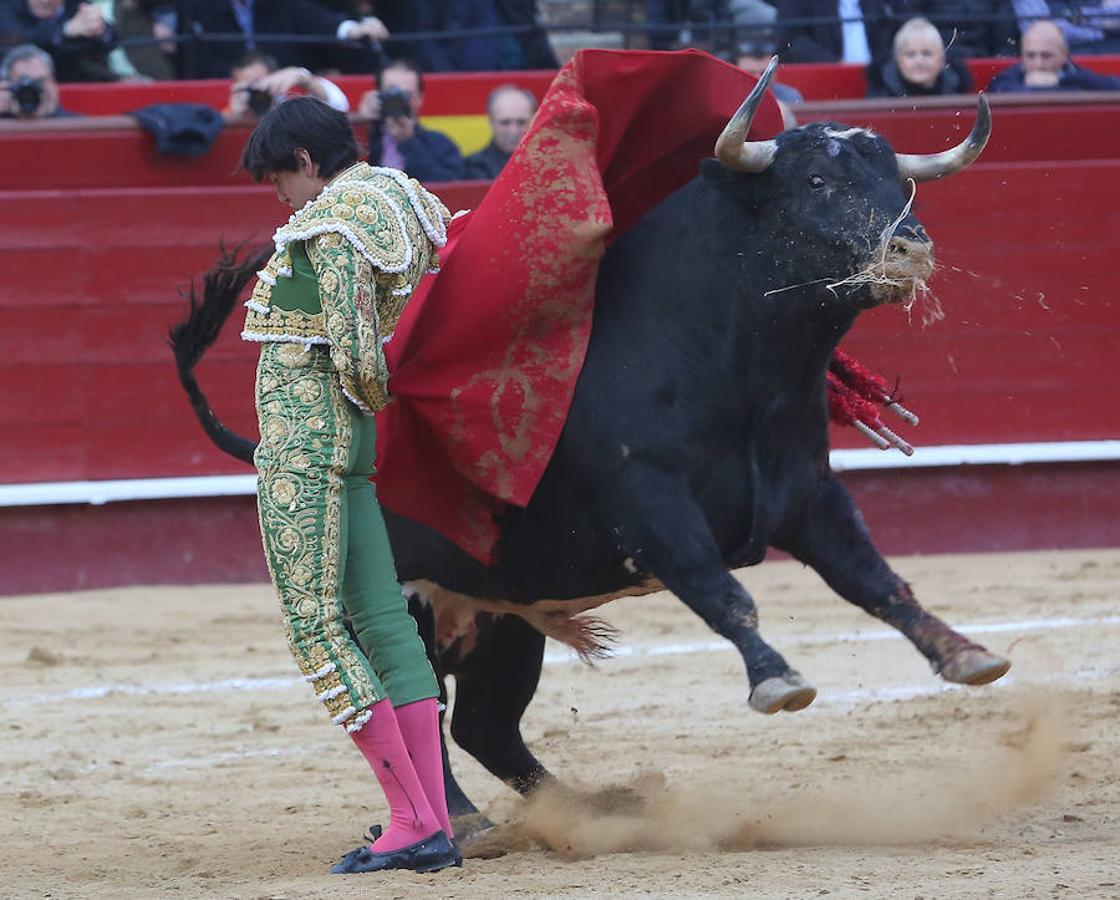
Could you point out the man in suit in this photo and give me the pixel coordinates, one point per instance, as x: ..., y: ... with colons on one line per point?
x: 75, y: 33
x: 863, y: 32
x: 253, y: 18
x: 1045, y: 66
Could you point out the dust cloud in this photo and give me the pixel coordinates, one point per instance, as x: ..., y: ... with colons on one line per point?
x: 994, y: 771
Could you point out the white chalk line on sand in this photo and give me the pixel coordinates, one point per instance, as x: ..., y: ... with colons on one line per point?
x: 837, y: 702
x: 552, y: 658
x: 814, y: 640
x: 843, y: 701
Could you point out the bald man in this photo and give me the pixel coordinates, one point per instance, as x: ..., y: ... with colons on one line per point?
x: 1044, y: 65
x: 510, y: 110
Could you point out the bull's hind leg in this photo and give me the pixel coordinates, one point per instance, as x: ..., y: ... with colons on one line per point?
x: 493, y: 686
x: 834, y: 540
x: 668, y: 536
x: 465, y: 817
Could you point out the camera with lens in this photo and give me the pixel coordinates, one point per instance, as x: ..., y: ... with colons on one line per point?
x: 260, y: 101
x: 28, y: 94
x: 394, y: 103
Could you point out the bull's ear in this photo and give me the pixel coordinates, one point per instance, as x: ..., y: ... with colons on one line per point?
x: 928, y: 166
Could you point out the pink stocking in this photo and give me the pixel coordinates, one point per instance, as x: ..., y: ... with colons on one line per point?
x: 419, y: 724
x: 410, y: 815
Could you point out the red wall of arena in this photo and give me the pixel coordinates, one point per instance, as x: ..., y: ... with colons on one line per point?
x: 99, y: 233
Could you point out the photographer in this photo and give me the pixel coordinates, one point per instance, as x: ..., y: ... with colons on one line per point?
x: 258, y: 84
x: 28, y: 89
x: 75, y: 33
x: 396, y: 137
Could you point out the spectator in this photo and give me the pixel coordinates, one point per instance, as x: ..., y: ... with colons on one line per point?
x: 74, y: 33
x: 1087, y: 28
x: 28, y: 89
x: 969, y: 28
x: 525, y: 49
x: 918, y: 67
x: 754, y: 56
x: 660, y: 15
x: 510, y: 110
x: 253, y: 19
x: 675, y: 23
x: 858, y: 32
x: 748, y: 13
x: 132, y: 20
x: 396, y: 137
x: 1044, y: 65
x: 258, y: 83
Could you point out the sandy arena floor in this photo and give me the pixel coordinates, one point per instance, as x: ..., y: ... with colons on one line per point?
x: 158, y: 744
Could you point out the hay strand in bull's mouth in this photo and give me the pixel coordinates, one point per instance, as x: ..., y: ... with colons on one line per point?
x: 793, y: 287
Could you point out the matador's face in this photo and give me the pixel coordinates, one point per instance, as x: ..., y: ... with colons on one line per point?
x: 296, y: 188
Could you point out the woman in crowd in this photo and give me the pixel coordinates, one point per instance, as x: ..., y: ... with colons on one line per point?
x: 918, y: 67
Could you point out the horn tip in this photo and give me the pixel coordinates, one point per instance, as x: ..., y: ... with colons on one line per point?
x: 983, y: 127
x: 768, y: 74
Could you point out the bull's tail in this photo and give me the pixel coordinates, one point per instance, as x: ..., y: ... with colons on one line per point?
x: 191, y: 338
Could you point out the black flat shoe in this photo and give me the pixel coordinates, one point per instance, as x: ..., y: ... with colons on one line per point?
x: 433, y: 853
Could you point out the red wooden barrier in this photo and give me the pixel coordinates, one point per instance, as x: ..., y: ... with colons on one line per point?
x: 217, y: 540
x: 1027, y: 284
x: 1024, y: 128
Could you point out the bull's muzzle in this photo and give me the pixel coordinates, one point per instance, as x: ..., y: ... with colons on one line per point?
x: 905, y: 265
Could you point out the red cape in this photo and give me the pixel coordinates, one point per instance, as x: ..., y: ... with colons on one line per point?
x: 486, y: 356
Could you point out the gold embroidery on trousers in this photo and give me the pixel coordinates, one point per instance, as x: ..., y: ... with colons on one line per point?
x: 304, y: 451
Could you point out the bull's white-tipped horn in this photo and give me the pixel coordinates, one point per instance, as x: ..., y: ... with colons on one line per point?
x: 733, y: 150
x: 927, y: 166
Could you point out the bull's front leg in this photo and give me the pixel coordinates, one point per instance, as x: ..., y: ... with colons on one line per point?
x: 667, y: 535
x: 834, y: 540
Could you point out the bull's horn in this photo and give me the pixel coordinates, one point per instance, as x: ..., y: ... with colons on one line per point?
x: 733, y: 150
x: 927, y: 166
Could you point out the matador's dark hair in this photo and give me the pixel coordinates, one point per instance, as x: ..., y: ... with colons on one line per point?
x: 301, y: 122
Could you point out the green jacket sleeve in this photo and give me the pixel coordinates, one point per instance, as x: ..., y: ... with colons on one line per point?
x: 348, y: 293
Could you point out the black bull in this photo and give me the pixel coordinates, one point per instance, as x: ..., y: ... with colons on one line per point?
x: 698, y: 433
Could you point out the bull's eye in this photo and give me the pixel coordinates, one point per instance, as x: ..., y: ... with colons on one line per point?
x: 816, y: 182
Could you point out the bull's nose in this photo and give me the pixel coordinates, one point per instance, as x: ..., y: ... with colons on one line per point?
x: 909, y: 258
x: 915, y: 249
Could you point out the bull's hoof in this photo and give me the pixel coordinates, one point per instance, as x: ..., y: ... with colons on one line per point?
x: 470, y: 826
x: 974, y: 665
x: 787, y: 693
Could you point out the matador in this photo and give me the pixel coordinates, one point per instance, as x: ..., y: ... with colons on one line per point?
x: 322, y: 309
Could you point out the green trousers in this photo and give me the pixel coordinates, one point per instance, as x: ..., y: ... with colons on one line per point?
x: 325, y: 540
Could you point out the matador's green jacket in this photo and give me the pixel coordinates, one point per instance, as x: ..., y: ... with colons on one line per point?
x: 370, y: 236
